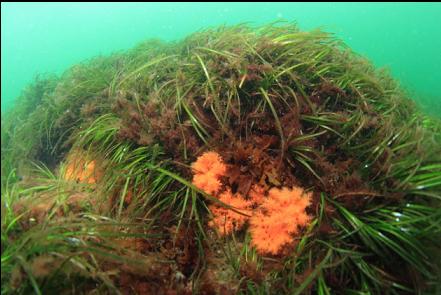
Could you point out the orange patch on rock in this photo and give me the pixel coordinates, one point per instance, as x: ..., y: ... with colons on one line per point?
x: 81, y: 170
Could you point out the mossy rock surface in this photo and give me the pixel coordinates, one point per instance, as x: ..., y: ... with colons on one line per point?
x: 98, y: 191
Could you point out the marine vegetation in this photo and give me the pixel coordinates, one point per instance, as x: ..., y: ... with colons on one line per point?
x: 240, y: 160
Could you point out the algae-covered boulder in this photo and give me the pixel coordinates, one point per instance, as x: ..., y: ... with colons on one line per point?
x: 242, y: 160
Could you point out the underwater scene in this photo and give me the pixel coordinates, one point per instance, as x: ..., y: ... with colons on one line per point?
x: 220, y: 148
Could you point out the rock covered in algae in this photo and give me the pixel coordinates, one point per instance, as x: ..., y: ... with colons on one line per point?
x: 310, y: 145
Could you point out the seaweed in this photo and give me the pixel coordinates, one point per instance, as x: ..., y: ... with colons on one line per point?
x: 99, y: 193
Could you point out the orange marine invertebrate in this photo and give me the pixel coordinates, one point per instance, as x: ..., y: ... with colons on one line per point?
x: 280, y: 216
x: 274, y: 218
x: 207, y: 182
x: 208, y: 169
x: 209, y: 163
x: 81, y: 170
x: 257, y: 195
x: 226, y: 220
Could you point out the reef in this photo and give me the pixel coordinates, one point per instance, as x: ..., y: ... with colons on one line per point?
x: 239, y: 160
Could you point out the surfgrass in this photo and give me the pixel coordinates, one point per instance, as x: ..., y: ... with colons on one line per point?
x: 333, y: 123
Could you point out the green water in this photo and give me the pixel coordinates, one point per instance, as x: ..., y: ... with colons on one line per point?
x: 50, y: 37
